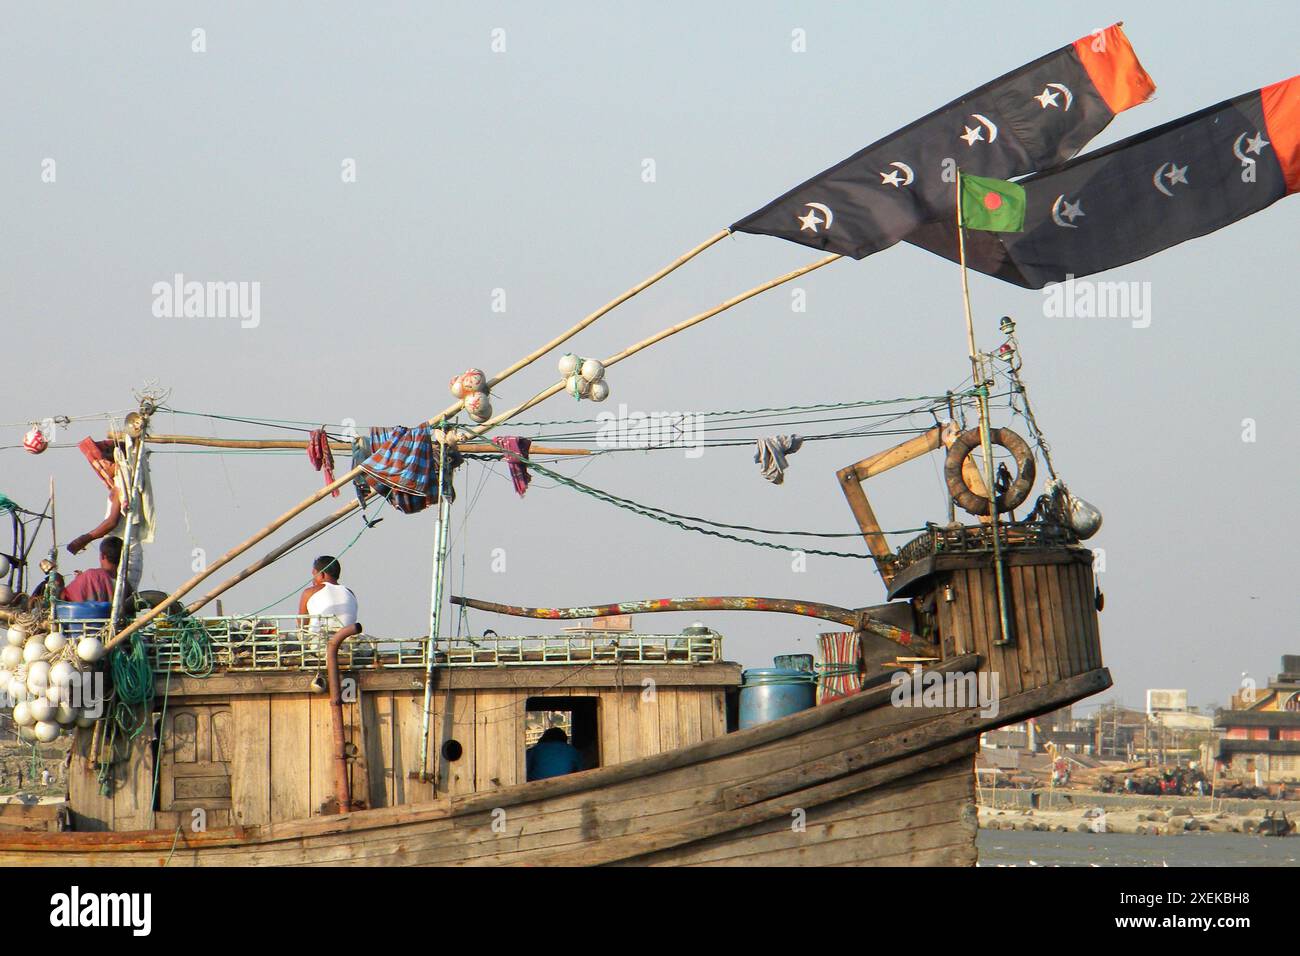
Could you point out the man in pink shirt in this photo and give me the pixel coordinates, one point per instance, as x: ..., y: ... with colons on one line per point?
x: 97, y: 584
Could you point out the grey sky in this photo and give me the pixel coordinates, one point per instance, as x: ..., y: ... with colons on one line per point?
x: 522, y: 170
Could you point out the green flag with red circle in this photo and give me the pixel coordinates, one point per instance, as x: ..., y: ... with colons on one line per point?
x: 992, y: 205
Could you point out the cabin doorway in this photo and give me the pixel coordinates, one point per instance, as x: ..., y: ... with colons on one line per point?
x: 576, y: 716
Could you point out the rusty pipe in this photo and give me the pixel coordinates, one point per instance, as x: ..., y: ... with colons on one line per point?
x: 342, y: 789
x: 858, y: 619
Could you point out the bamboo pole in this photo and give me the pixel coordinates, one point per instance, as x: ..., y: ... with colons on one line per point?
x: 485, y: 448
x: 275, y: 554
x: 659, y: 337
x: 452, y: 409
x: 1005, y: 633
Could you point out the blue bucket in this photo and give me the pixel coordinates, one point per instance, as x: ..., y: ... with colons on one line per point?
x: 67, y: 611
x: 768, y: 693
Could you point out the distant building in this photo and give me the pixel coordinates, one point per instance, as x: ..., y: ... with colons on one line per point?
x: 1261, y: 729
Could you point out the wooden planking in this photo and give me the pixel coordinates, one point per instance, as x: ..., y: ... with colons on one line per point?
x: 715, y: 704
x: 250, y: 760
x: 648, y: 710
x: 91, y: 810
x: 408, y: 731
x: 689, y: 728
x: 320, y: 788
x: 670, y: 737
x: 1061, y: 626
x: 498, y: 734
x: 377, y: 714
x: 607, y: 716
x: 629, y: 725
x: 1025, y: 653
x: 290, y: 757
x: 1054, y: 644
x: 133, y: 786
x: 458, y: 777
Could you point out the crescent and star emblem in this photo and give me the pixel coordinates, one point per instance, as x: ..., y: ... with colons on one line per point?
x: 1254, y: 144
x: 975, y: 134
x: 1048, y: 97
x: 894, y: 179
x: 1063, y: 209
x: 812, y: 220
x: 1175, y: 175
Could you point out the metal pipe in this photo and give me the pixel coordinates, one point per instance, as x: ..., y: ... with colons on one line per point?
x: 857, y: 619
x: 435, y: 611
x: 342, y: 788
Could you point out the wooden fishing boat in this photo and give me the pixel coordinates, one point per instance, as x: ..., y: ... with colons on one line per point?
x: 252, y: 764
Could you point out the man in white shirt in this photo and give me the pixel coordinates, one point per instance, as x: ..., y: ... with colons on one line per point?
x: 325, y: 597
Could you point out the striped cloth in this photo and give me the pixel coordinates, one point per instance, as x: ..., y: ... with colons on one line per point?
x: 841, y: 668
x: 401, y: 464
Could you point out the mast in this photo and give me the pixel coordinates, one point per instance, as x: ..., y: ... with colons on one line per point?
x: 435, y: 605
x: 1007, y: 636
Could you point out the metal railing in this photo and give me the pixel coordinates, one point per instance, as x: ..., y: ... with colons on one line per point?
x: 978, y: 539
x: 294, y: 643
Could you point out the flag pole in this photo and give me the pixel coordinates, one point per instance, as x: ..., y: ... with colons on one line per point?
x: 1006, y: 634
x: 449, y: 411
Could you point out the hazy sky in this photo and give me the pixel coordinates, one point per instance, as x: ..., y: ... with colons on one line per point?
x: 522, y: 170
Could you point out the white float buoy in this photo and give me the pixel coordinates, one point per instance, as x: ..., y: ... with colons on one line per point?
x: 46, y: 731
x: 11, y: 656
x: 593, y: 370
x: 23, y: 714
x: 568, y: 364
x: 90, y: 649
x: 34, y: 650
x: 598, y: 391
x: 40, y: 708
x: 55, y: 641
x: 16, y: 636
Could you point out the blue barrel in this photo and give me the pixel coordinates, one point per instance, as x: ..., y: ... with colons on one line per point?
x: 80, y: 611
x: 771, y: 692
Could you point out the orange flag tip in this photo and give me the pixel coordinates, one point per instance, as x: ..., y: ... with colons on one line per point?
x: 1114, y: 69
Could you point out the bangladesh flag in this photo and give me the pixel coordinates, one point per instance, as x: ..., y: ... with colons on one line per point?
x: 993, y: 205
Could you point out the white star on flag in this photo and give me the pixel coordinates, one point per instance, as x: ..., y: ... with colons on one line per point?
x: 1047, y: 98
x: 810, y: 221
x: 973, y: 135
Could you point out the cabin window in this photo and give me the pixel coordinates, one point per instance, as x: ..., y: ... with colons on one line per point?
x: 452, y: 751
x: 576, y: 716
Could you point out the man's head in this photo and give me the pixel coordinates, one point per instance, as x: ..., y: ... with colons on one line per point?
x: 326, y: 570
x: 555, y: 735
x: 110, y: 553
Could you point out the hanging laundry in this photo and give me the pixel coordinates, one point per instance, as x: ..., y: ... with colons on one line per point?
x: 771, y: 455
x: 516, y: 450
x: 321, y: 456
x: 110, y: 463
x: 403, y: 467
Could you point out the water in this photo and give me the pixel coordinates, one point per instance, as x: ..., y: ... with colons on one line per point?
x: 1019, y: 848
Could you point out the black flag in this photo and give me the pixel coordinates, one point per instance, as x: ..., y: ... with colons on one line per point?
x: 1145, y: 193
x: 1029, y: 119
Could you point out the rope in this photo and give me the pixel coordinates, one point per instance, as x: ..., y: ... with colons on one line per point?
x: 667, y: 517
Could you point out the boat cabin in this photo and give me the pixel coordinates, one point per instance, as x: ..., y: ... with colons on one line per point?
x: 252, y: 742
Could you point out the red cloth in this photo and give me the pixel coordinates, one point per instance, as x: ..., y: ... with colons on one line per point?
x: 515, y: 450
x: 93, y: 585
x: 321, y: 456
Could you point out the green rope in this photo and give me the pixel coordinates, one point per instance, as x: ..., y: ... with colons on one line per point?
x: 132, y: 687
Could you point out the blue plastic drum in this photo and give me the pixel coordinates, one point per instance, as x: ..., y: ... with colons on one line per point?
x: 67, y: 611
x: 771, y: 692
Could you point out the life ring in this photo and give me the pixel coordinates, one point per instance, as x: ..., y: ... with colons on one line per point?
x: 966, y: 443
